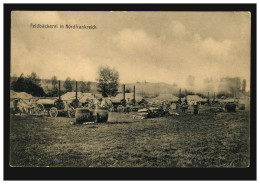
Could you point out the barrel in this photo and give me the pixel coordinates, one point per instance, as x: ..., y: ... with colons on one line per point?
x: 102, y: 115
x: 231, y: 107
x: 241, y: 106
x: 196, y: 109
x: 83, y: 115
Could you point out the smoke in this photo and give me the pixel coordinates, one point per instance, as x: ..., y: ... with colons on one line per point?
x: 228, y: 86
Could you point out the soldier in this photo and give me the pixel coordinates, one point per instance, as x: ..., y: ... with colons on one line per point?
x: 127, y: 108
x: 196, y: 107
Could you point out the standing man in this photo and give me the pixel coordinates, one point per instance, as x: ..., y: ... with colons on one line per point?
x: 196, y: 107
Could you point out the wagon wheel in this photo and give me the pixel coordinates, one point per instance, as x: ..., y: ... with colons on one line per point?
x: 39, y: 109
x: 71, y: 112
x: 53, y: 112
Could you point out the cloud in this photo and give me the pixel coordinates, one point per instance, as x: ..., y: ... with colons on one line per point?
x: 178, y: 29
x: 132, y: 39
x: 216, y: 48
x: 174, y: 55
x: 140, y: 45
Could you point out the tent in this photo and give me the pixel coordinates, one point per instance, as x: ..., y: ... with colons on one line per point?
x: 86, y: 96
x: 128, y: 96
x: 167, y: 97
x: 195, y: 98
x: 82, y: 97
x: 22, y: 95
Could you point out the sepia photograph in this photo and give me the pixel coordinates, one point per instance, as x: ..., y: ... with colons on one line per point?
x: 130, y: 89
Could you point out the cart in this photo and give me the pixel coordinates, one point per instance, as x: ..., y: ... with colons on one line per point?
x: 55, y: 107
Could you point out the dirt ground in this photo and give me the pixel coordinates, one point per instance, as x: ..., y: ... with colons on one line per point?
x: 203, y: 140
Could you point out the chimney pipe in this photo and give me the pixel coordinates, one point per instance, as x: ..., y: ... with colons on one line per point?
x: 124, y: 92
x: 59, y: 90
x: 180, y: 95
x: 76, y: 90
x: 186, y: 100
x: 134, y: 94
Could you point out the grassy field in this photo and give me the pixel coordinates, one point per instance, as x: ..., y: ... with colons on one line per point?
x: 204, y: 140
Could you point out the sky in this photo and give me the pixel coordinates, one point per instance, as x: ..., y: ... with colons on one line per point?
x: 142, y: 46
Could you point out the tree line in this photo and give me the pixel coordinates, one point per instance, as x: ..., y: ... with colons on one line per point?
x: 107, y: 84
x: 32, y: 84
x: 29, y: 84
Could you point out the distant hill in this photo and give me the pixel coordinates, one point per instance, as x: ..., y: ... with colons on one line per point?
x: 145, y: 89
x: 150, y: 89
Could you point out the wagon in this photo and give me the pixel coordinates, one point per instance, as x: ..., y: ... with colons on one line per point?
x: 53, y: 107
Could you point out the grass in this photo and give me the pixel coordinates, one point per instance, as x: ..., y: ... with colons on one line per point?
x: 204, y: 140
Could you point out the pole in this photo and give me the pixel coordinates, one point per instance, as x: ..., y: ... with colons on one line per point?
x: 76, y: 90
x: 124, y: 92
x: 134, y: 94
x: 208, y: 97
x: 59, y: 90
x: 186, y: 101
x: 180, y: 95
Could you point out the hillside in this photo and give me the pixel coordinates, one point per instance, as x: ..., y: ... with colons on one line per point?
x: 142, y: 88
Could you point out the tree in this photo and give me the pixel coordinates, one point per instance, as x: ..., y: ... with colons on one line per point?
x: 29, y: 84
x: 67, y: 85
x: 88, y: 86
x: 84, y: 87
x: 54, y: 83
x: 108, y: 81
x: 13, y: 78
x: 54, y: 87
x: 34, y: 78
x: 244, y: 85
x: 73, y: 84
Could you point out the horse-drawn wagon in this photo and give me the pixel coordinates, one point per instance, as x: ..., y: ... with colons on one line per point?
x: 53, y: 107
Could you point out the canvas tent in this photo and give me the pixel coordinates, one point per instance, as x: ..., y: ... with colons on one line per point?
x: 82, y: 97
x: 22, y: 95
x: 167, y: 97
x: 128, y: 96
x: 195, y: 98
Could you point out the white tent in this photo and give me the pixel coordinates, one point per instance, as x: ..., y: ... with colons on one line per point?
x: 22, y: 95
x: 82, y: 97
x: 128, y: 97
x: 168, y: 97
